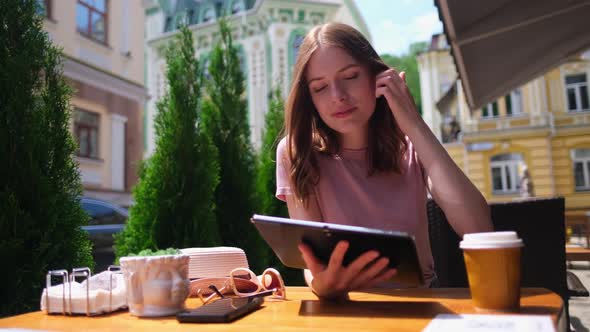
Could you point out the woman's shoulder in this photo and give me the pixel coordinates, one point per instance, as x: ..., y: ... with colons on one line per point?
x: 282, y: 147
x: 283, y: 143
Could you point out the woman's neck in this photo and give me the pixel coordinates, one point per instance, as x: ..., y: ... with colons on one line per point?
x: 354, y: 141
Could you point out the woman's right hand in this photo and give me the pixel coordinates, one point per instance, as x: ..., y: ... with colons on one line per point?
x: 335, y: 281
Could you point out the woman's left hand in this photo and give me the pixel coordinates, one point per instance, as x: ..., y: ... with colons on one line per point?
x: 392, y: 86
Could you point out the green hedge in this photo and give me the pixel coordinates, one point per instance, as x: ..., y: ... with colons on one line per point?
x: 40, y: 212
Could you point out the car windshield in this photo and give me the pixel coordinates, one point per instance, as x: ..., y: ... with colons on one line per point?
x: 103, y: 212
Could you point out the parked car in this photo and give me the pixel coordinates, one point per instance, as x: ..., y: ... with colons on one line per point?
x: 106, y: 220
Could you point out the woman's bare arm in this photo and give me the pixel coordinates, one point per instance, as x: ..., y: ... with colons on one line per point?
x: 463, y: 204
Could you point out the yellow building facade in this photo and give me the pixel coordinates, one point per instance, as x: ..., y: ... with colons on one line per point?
x: 542, y: 126
x: 103, y: 60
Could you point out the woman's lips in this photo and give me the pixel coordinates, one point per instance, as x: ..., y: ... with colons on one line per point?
x: 344, y: 113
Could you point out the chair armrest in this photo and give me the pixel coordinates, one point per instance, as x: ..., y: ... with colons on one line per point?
x: 575, y: 286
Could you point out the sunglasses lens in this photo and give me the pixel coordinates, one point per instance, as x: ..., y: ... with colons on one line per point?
x: 241, y: 275
x: 243, y: 281
x: 279, y: 293
x: 245, y: 286
x: 271, y: 281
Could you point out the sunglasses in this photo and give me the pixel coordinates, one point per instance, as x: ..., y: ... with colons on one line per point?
x: 243, y: 282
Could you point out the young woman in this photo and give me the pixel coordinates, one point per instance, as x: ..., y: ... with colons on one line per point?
x: 350, y: 156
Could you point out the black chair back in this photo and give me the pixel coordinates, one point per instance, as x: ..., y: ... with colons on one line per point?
x: 539, y: 222
x: 444, y: 244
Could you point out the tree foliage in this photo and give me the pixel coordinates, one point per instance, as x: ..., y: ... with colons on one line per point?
x: 40, y: 189
x: 175, y: 193
x: 227, y: 122
x: 266, y: 182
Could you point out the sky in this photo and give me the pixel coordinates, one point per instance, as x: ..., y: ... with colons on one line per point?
x: 395, y: 24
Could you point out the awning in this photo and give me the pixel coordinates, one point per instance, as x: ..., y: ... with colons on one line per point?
x: 499, y: 45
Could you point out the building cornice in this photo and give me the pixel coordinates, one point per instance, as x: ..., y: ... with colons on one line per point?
x: 165, y: 36
x: 86, y: 73
x: 248, y: 16
x: 540, y: 131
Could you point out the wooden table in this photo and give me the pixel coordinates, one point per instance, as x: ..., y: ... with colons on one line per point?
x: 577, y: 254
x: 399, y: 310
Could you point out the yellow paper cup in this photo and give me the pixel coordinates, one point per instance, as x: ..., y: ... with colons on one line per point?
x: 492, y: 261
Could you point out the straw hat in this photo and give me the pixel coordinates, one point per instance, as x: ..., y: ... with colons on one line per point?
x: 212, y: 266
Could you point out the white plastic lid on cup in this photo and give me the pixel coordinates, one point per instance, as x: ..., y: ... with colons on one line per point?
x: 490, y: 240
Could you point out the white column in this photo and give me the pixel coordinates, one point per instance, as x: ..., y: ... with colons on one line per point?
x: 542, y: 94
x: 262, y: 104
x: 535, y: 89
x: 436, y: 93
x: 118, y: 152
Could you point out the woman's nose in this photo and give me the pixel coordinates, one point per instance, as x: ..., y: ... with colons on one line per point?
x: 338, y: 92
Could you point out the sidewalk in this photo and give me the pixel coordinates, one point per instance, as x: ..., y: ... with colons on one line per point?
x: 580, y: 306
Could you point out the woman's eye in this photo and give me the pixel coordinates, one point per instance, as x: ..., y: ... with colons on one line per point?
x: 351, y: 77
x: 316, y: 90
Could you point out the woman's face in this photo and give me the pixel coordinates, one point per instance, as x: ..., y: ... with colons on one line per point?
x: 342, y: 90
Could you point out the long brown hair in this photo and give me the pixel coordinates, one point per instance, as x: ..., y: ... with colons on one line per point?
x: 307, y: 133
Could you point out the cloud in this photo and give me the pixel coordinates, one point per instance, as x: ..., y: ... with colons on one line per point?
x: 390, y: 37
x: 424, y: 26
x: 396, y: 38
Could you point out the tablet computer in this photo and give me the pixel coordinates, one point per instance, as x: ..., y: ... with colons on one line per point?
x: 284, y: 235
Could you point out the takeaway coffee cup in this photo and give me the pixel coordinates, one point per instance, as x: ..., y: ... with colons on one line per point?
x: 493, y: 269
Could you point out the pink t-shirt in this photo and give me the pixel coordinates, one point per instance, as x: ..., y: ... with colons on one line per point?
x: 347, y: 195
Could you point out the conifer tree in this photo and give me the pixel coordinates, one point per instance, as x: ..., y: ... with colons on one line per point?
x: 266, y: 182
x: 40, y: 189
x: 175, y: 193
x: 228, y: 125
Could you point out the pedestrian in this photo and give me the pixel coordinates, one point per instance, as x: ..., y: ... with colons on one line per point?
x: 527, y: 188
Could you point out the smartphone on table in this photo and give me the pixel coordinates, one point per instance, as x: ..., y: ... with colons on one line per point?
x: 223, y: 310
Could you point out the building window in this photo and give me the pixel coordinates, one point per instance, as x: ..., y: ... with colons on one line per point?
x: 91, y: 19
x: 490, y: 111
x: 205, y: 63
x: 237, y: 6
x: 505, y: 169
x: 168, y: 23
x: 191, y: 17
x: 44, y: 8
x: 181, y: 19
x: 576, y: 87
x: 209, y: 15
x: 296, y: 44
x: 514, y: 103
x: 450, y: 129
x: 242, y: 61
x: 581, y: 162
x: 86, y: 131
